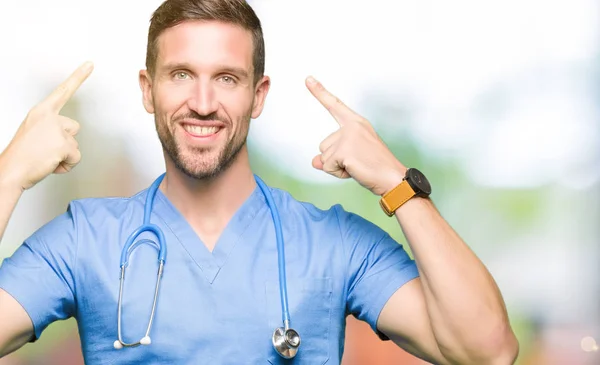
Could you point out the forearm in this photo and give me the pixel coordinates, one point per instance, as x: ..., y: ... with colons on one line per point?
x: 466, y: 309
x: 10, y: 193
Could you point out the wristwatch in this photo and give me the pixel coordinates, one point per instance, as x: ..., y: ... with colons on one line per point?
x: 413, y: 184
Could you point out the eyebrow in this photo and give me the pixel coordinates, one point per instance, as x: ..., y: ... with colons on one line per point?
x: 227, y: 69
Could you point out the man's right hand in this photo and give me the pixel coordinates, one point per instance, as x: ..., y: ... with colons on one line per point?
x: 45, y: 142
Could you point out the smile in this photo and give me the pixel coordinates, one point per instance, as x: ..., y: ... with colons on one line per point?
x: 200, y: 131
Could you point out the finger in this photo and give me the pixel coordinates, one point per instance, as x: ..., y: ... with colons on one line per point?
x: 332, y: 167
x: 317, y: 162
x: 333, y: 104
x: 61, y: 95
x: 329, y: 141
x: 71, y: 159
x: 69, y: 125
x: 332, y: 163
x: 327, y: 147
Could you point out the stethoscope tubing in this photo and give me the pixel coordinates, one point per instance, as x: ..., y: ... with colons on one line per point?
x: 285, y: 315
x: 162, y: 257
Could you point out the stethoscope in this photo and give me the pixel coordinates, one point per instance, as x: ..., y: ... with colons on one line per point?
x: 286, y: 340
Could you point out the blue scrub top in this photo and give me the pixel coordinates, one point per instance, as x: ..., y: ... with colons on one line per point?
x: 214, y: 308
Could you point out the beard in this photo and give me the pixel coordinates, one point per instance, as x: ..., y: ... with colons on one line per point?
x: 202, y: 163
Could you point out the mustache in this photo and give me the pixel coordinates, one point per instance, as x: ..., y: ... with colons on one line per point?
x: 208, y: 117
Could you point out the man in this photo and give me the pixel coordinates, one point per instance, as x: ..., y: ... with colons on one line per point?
x: 219, y: 299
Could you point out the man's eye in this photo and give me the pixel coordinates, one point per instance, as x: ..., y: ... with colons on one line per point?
x: 181, y: 75
x: 228, y: 79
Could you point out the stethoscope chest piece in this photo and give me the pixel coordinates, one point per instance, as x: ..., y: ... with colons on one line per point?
x: 286, y: 342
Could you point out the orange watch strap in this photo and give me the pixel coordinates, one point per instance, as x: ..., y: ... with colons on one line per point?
x: 394, y: 198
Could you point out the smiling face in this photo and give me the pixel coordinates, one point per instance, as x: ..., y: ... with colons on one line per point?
x: 203, y: 95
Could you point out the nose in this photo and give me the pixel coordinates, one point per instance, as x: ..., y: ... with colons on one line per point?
x: 203, y: 99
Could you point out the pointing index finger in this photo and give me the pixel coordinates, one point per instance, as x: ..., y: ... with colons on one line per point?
x: 333, y: 104
x: 61, y: 95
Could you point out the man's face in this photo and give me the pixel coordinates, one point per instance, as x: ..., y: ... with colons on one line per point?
x: 203, y: 95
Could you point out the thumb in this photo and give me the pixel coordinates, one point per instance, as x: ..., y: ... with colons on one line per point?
x: 317, y: 163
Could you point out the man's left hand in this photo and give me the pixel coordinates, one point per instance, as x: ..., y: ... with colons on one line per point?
x: 355, y: 150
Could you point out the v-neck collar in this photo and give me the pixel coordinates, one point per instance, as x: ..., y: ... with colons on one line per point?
x: 209, y: 262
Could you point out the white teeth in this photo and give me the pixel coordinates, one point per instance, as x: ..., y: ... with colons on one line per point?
x: 200, y: 131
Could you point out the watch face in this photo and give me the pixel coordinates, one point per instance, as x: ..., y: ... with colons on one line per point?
x: 418, y: 181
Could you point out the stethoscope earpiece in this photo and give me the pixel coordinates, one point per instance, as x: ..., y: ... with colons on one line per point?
x: 144, y: 341
x: 286, y: 342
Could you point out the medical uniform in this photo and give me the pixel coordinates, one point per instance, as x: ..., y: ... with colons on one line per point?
x: 213, y: 308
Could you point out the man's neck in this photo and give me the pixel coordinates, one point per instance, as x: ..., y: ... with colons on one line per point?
x: 209, y: 205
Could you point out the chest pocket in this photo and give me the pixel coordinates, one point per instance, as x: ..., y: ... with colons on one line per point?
x: 309, y: 303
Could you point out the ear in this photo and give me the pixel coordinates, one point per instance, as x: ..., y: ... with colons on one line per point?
x: 260, y: 94
x: 146, y: 86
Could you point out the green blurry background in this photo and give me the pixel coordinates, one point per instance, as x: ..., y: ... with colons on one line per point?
x: 496, y: 102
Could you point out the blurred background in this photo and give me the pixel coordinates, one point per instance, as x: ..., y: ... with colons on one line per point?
x: 497, y: 102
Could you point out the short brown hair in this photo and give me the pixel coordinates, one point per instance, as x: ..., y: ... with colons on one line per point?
x: 238, y: 12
